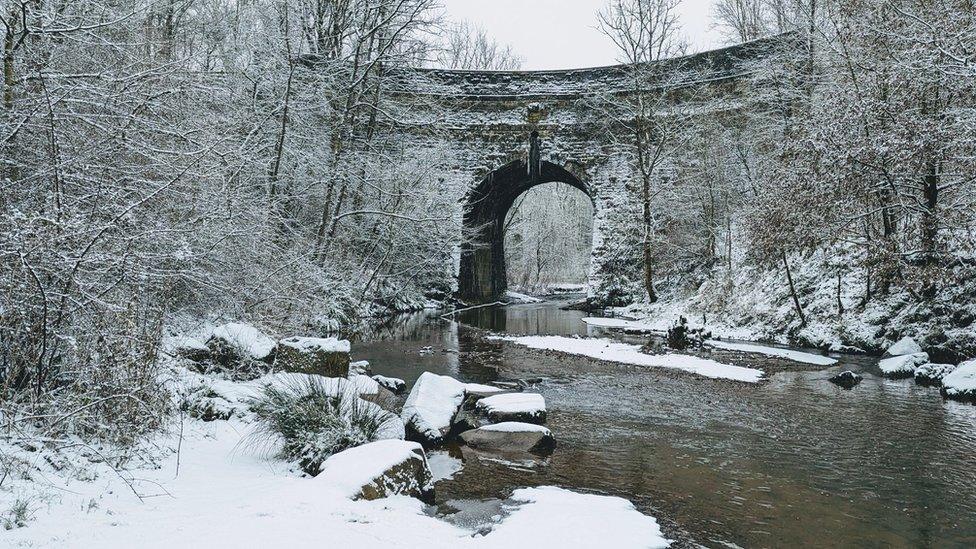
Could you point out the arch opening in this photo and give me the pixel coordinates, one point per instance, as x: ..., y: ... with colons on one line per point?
x: 483, y: 273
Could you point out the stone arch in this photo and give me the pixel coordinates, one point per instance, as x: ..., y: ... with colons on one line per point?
x: 482, y: 276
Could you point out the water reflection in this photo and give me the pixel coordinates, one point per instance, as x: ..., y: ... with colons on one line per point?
x: 792, y: 462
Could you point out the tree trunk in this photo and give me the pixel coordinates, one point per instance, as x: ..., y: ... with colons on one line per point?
x: 796, y: 300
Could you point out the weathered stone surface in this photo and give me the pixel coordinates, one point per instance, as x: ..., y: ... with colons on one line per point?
x: 507, y: 132
x: 931, y: 375
x: 379, y: 470
x: 903, y: 366
x: 327, y: 357
x: 511, y: 437
x: 847, y: 380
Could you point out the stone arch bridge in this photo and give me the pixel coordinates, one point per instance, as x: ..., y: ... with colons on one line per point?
x: 506, y: 132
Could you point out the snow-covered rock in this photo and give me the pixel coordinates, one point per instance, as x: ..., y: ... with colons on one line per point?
x: 961, y: 383
x: 902, y: 366
x: 236, y: 340
x: 360, y: 368
x: 905, y: 346
x: 847, y: 379
x: 511, y: 437
x: 394, y: 385
x: 517, y: 407
x: 431, y: 406
x: 931, y: 375
x: 379, y: 470
x: 325, y: 356
x: 187, y: 347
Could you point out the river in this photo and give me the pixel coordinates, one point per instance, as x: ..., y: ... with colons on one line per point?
x: 791, y: 462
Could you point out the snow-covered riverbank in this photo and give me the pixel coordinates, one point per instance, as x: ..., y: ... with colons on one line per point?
x: 209, y: 484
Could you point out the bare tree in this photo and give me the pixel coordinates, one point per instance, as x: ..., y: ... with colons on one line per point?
x: 645, y: 33
x: 468, y: 47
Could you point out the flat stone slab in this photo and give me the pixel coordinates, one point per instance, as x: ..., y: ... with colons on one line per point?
x: 517, y: 407
x: 900, y: 367
x: 511, y: 437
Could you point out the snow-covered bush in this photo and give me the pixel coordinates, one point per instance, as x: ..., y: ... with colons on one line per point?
x: 312, y: 421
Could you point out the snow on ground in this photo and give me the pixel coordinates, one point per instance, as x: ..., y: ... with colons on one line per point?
x: 622, y: 324
x: 220, y: 490
x: 515, y: 297
x: 795, y: 356
x: 650, y: 327
x: 612, y: 351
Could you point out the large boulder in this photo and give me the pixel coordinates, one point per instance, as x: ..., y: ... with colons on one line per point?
x: 186, y: 347
x: 468, y: 415
x: 903, y: 366
x: 847, y: 380
x: 360, y: 368
x: 904, y: 346
x: 430, y: 407
x: 961, y: 383
x: 518, y: 407
x: 511, y: 437
x: 237, y: 346
x: 931, y: 375
x: 378, y: 470
x: 327, y: 357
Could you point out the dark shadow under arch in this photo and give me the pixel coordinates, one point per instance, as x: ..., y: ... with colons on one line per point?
x: 482, y: 277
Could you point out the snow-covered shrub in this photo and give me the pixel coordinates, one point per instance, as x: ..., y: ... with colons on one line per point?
x: 313, y: 422
x: 17, y: 516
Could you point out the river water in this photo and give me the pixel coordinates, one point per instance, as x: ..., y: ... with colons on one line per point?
x: 791, y: 462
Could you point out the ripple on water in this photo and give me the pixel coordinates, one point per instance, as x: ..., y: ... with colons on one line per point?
x: 782, y: 464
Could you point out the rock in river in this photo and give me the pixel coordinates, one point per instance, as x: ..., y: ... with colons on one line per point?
x: 902, y: 366
x: 961, y: 383
x: 520, y: 407
x: 431, y: 406
x: 511, y: 437
x: 930, y: 375
x: 379, y: 470
x: 847, y: 380
x: 905, y: 346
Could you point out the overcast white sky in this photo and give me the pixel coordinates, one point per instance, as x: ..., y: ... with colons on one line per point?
x: 561, y: 34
